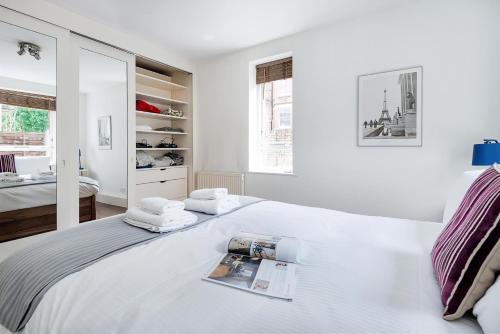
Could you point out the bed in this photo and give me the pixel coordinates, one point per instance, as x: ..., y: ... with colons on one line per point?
x: 357, y: 274
x: 28, y: 208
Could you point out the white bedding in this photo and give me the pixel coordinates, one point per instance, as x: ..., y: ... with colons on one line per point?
x: 358, y: 274
x: 15, y: 198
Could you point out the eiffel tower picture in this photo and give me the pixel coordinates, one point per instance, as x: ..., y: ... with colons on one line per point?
x: 390, y: 108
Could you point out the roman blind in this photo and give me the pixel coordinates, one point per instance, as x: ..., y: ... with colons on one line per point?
x: 29, y: 100
x: 274, y: 70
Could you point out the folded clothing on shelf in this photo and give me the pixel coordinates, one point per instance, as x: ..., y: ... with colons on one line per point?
x: 140, y: 127
x: 213, y: 206
x: 172, y: 112
x: 160, y: 205
x: 143, y: 160
x: 170, y: 129
x: 177, y: 159
x: 141, y: 105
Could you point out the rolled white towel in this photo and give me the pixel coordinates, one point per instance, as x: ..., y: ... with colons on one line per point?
x: 160, y: 205
x: 209, y: 193
x: 173, y: 218
x: 213, y: 206
x: 160, y: 229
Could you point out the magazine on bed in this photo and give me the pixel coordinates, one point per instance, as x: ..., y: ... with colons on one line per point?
x: 258, y: 263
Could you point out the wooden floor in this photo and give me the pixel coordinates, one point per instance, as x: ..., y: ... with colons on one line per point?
x: 106, y: 210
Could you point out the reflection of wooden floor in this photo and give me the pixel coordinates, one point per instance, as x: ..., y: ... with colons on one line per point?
x: 106, y: 210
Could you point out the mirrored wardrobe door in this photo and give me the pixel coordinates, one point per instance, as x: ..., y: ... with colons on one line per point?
x: 104, y: 113
x: 28, y: 126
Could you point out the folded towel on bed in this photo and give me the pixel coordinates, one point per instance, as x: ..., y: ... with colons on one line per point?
x: 209, y: 193
x: 159, y: 229
x: 173, y: 218
x: 10, y: 177
x: 214, y: 206
x: 160, y: 205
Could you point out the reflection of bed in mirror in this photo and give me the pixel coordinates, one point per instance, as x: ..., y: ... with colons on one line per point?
x: 29, y: 207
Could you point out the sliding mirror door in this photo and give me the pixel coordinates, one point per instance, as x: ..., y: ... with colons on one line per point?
x: 104, y: 112
x: 28, y: 154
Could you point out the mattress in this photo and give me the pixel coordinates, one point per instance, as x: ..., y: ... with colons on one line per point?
x: 30, y: 196
x: 356, y: 274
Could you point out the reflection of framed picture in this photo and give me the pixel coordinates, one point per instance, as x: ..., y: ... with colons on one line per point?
x: 104, y: 132
x: 390, y: 108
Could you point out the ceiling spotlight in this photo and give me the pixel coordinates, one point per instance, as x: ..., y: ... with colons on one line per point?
x: 33, y: 49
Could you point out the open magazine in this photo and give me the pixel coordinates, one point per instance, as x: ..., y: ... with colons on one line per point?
x: 260, y: 264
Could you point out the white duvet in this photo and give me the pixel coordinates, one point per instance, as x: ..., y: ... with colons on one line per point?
x: 357, y: 274
x: 35, y: 195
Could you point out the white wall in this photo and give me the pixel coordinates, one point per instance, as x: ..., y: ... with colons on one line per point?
x: 108, y: 167
x: 456, y: 42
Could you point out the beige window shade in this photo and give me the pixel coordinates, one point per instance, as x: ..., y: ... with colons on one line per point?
x: 274, y: 70
x: 28, y: 100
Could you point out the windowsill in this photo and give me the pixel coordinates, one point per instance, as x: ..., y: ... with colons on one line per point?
x: 271, y: 173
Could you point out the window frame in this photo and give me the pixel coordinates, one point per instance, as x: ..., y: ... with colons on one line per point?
x: 254, y: 121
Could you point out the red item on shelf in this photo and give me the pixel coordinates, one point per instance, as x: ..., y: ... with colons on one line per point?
x: 141, y: 105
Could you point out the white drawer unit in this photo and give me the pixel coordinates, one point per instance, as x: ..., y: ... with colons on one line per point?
x: 160, y: 174
x: 169, y: 182
x: 169, y: 189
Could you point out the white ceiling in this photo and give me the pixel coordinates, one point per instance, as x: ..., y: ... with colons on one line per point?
x: 203, y: 28
x: 39, y: 76
x: 26, y: 67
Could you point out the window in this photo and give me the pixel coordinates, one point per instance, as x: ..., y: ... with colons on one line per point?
x: 27, y: 131
x: 271, y: 118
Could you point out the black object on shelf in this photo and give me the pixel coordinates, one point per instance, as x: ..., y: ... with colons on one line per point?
x: 143, y: 144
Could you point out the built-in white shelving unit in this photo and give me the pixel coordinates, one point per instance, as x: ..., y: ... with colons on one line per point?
x: 164, y: 87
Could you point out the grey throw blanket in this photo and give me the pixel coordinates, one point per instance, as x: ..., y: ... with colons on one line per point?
x: 28, y: 274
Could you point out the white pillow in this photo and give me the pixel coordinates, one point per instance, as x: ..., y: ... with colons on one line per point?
x: 457, y: 192
x: 486, y: 309
x: 32, y: 165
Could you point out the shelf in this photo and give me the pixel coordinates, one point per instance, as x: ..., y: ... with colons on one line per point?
x: 172, y: 85
x: 162, y: 132
x: 160, y: 168
x: 158, y: 116
x: 158, y: 99
x: 162, y: 149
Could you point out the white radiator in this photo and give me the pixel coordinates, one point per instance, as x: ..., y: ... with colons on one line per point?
x: 234, y: 182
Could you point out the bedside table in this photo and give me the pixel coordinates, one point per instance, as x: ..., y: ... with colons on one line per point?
x: 84, y: 172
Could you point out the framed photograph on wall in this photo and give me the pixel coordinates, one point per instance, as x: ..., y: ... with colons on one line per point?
x: 104, y: 132
x: 390, y: 108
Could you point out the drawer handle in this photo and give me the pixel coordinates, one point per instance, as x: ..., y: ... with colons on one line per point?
x: 163, y: 181
x: 163, y: 169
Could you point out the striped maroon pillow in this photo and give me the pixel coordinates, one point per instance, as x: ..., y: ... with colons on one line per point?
x: 466, y: 256
x: 7, y: 163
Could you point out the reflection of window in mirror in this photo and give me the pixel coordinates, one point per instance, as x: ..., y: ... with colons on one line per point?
x: 27, y: 132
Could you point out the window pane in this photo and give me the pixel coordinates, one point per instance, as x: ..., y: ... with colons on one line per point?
x: 271, y: 140
x: 26, y: 131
